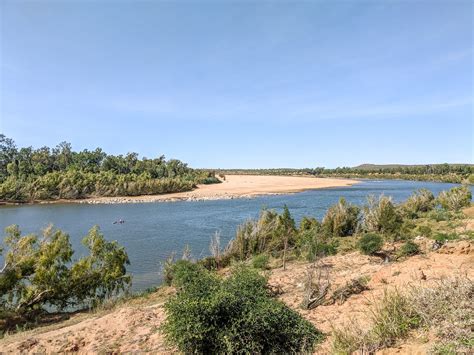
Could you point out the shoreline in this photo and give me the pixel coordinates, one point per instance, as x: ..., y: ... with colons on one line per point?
x: 233, y: 187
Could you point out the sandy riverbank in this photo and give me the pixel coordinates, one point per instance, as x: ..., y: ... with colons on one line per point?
x: 234, y: 186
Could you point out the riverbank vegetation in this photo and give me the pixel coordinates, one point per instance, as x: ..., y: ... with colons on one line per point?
x: 381, y: 228
x: 379, y: 221
x: 39, y: 274
x: 28, y: 174
x: 454, y: 173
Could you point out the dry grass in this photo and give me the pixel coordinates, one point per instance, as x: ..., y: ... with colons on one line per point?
x: 446, y: 309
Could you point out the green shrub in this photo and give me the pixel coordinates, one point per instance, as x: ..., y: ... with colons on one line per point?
x: 234, y: 315
x: 408, y: 249
x: 210, y: 180
x: 420, y: 202
x: 444, y: 237
x: 439, y: 215
x: 209, y: 263
x: 318, y: 249
x: 341, y: 219
x: 456, y: 198
x: 381, y: 216
x: 309, y: 223
x: 312, y: 244
x: 180, y: 272
x: 260, y: 261
x: 425, y: 231
x: 268, y: 234
x: 370, y: 243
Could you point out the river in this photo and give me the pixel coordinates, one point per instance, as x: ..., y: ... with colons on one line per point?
x: 152, y: 231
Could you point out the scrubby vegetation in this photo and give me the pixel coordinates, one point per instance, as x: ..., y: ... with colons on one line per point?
x: 212, y: 315
x: 446, y: 308
x: 28, y: 174
x: 455, y: 199
x: 346, y: 227
x: 409, y: 248
x: 40, y: 275
x: 370, y: 244
x: 274, y: 238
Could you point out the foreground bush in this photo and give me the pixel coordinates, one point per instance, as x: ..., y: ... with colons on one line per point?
x: 234, y: 315
x: 370, y: 244
x: 39, y: 272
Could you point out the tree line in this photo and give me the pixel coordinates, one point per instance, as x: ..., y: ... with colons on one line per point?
x: 28, y: 174
x: 455, y: 173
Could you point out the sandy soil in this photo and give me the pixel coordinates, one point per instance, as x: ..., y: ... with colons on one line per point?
x: 235, y: 186
x: 135, y: 326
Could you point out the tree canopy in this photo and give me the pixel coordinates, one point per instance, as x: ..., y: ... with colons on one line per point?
x: 28, y: 174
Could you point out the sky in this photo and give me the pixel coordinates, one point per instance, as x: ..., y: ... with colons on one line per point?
x: 242, y: 84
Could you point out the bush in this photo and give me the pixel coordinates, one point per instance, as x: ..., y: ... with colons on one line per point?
x: 408, y: 249
x: 442, y: 238
x: 234, y: 315
x: 210, y: 180
x: 369, y: 244
x: 425, y: 231
x: 311, y: 244
x: 209, y: 263
x: 439, y: 215
x: 420, y: 202
x: 268, y: 234
x: 456, y: 198
x: 381, y: 216
x: 260, y: 261
x: 341, y: 219
x: 318, y: 249
x: 180, y: 272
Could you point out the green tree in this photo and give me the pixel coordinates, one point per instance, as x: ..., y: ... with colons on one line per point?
x: 40, y: 272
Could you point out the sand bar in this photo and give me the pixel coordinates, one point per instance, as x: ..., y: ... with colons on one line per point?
x: 234, y: 186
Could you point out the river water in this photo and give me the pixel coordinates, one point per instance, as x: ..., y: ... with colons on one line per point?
x: 152, y: 231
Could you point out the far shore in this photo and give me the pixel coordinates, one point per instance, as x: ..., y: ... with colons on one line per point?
x: 234, y: 186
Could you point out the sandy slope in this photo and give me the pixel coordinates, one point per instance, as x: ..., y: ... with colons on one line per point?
x: 135, y: 326
x: 236, y: 186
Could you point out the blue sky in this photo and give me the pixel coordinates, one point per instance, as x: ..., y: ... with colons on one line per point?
x: 242, y: 83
